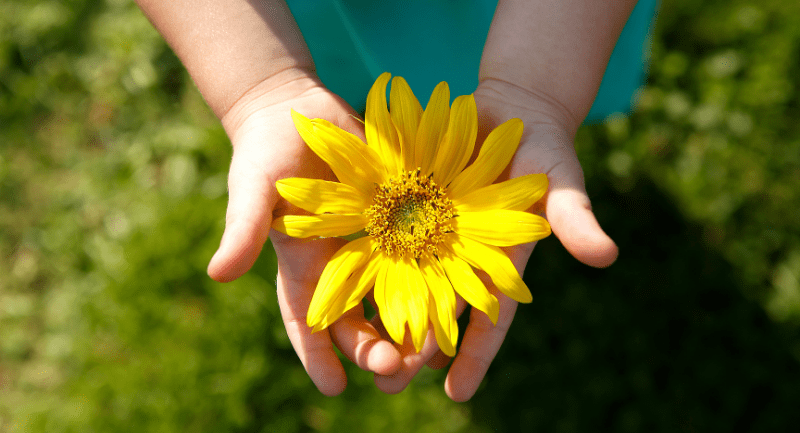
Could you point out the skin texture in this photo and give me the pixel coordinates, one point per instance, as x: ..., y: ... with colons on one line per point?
x: 542, y: 63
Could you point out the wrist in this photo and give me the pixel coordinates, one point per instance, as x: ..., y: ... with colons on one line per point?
x: 508, y: 100
x: 270, y: 93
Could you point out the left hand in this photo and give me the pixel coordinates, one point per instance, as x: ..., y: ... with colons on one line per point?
x: 547, y: 146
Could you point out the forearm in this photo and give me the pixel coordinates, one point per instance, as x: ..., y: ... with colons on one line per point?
x: 555, y: 49
x: 230, y: 47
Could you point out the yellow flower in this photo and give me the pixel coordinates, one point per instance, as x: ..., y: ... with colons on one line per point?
x: 427, y: 221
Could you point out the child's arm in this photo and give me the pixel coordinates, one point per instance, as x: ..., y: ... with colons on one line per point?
x: 234, y: 47
x: 252, y: 66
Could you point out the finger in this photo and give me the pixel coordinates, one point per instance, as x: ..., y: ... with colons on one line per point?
x: 260, y: 158
x: 482, y: 340
x: 410, y: 365
x: 299, y: 266
x: 567, y: 206
x: 314, y: 350
x: 412, y: 361
x: 251, y: 199
x: 571, y: 218
x: 438, y: 361
x: 360, y: 342
x: 569, y: 211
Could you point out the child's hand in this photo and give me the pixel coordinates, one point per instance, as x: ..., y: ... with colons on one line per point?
x: 546, y: 147
x: 267, y: 148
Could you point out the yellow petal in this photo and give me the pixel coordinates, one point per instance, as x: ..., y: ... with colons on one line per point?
x: 334, y: 147
x: 519, y: 193
x: 494, y: 262
x: 351, y: 294
x: 431, y: 128
x: 326, y: 225
x: 442, y: 308
x: 406, y: 113
x: 380, y: 131
x: 496, y: 152
x: 390, y: 300
x: 468, y: 285
x: 344, y: 262
x: 364, y: 160
x: 447, y: 342
x: 456, y: 147
x: 416, y: 297
x: 403, y: 298
x: 500, y: 227
x: 321, y: 196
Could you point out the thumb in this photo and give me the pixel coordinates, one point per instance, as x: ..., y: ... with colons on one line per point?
x: 567, y: 206
x: 251, y: 199
x: 569, y: 212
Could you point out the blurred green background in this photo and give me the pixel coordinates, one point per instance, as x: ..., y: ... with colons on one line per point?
x: 112, y: 200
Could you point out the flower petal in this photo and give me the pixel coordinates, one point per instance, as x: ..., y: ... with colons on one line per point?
x: 442, y: 308
x: 468, y: 285
x: 321, y: 196
x: 380, y: 131
x: 402, y: 297
x: 501, y: 227
x: 344, y: 262
x: 388, y: 298
x: 349, y: 159
x: 406, y: 113
x: 496, y: 152
x: 432, y: 128
x: 326, y: 225
x: 364, y: 160
x: 416, y: 298
x: 519, y: 193
x: 494, y: 262
x: 353, y: 291
x: 457, y: 145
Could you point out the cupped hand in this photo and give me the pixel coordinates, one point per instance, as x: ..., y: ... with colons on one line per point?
x: 266, y: 148
x: 547, y: 146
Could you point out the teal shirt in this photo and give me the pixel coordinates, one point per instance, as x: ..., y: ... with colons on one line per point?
x: 428, y: 41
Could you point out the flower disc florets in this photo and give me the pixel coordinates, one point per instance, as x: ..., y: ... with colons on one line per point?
x: 409, y: 215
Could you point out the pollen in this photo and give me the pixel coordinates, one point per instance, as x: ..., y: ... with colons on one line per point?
x: 410, y: 215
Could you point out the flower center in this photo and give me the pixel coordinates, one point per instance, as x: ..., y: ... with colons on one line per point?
x: 409, y: 215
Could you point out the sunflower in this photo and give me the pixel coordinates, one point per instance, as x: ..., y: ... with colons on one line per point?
x: 420, y: 222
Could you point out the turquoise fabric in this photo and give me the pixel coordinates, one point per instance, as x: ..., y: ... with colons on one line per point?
x: 428, y: 41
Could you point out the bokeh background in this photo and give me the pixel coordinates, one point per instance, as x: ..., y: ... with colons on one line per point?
x: 112, y: 196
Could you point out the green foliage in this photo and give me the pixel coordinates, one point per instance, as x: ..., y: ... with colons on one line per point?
x: 113, y: 178
x: 112, y: 198
x: 716, y: 129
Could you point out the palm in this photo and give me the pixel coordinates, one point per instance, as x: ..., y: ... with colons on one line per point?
x: 267, y: 148
x: 546, y: 147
